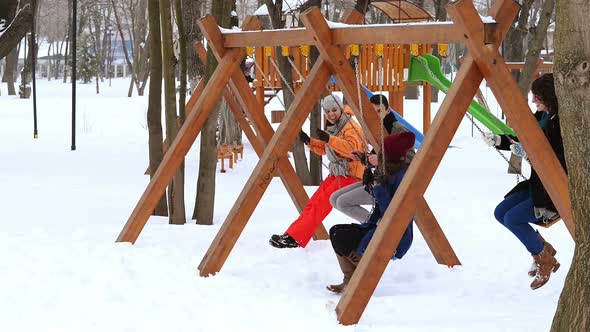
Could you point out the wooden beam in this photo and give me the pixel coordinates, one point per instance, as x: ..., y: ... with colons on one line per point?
x: 346, y: 80
x: 180, y: 146
x: 264, y: 171
x: 513, y: 103
x: 245, y: 97
x: 431, y: 33
x: 422, y: 169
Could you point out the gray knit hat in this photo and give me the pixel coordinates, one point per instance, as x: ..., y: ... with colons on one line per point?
x: 332, y: 102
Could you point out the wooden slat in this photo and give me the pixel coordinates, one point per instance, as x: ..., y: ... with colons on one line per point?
x: 372, y: 34
x: 422, y: 169
x: 180, y: 146
x: 516, y: 108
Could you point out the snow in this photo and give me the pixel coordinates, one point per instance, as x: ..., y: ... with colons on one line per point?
x: 61, y: 269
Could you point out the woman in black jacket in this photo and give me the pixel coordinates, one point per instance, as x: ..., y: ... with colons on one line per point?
x: 529, y: 202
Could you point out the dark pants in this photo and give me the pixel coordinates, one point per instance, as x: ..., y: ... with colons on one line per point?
x: 515, y: 212
x: 346, y: 238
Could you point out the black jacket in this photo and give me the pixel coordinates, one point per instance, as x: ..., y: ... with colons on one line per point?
x: 552, y: 131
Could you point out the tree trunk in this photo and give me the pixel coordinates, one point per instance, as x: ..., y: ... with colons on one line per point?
x: 10, y: 71
x: 191, y: 12
x: 154, y: 113
x: 204, y: 206
x: 176, y: 187
x: 18, y: 26
x: 228, y: 127
x: 141, y: 50
x: 315, y: 161
x: 275, y: 10
x: 535, y: 44
x: 572, y: 70
x: 181, y: 61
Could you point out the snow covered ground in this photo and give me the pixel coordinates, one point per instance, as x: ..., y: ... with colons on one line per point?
x: 62, y: 271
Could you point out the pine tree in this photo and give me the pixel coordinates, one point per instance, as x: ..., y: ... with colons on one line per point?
x: 87, y: 65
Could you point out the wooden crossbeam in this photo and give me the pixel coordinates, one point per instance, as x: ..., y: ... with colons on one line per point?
x: 431, y: 33
x: 346, y: 80
x: 181, y: 145
x: 263, y: 173
x: 513, y: 103
x: 421, y: 170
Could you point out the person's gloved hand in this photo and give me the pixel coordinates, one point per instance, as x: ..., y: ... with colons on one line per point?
x: 368, y: 177
x: 546, y: 215
x: 304, y: 137
x: 518, y: 150
x: 492, y: 139
x: 360, y: 156
x: 322, y: 135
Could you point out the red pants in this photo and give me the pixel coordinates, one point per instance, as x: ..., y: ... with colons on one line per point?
x: 317, y: 208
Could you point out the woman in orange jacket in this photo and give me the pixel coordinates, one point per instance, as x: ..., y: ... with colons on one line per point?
x: 342, y: 136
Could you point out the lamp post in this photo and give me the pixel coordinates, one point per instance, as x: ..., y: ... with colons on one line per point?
x: 74, y: 37
x: 110, y: 52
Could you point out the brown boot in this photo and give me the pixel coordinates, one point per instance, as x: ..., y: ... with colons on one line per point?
x: 545, y: 264
x: 347, y: 268
x: 550, y: 249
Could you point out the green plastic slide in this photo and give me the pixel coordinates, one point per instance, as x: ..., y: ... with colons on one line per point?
x: 427, y: 68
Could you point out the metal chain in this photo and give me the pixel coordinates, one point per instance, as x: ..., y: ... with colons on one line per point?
x: 360, y: 102
x: 265, y: 80
x: 425, y: 65
x: 380, y: 71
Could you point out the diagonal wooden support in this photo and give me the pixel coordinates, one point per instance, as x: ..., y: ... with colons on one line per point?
x: 346, y: 79
x: 277, y: 147
x: 245, y: 96
x: 180, y: 146
x: 513, y: 103
x: 396, y: 218
x: 243, y: 93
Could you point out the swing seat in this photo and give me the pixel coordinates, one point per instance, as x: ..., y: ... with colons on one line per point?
x: 548, y: 223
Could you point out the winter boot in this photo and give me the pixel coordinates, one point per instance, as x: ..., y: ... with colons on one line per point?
x: 545, y: 264
x: 550, y: 249
x: 283, y: 241
x: 347, y: 268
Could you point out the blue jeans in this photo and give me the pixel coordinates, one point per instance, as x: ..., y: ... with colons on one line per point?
x: 515, y: 212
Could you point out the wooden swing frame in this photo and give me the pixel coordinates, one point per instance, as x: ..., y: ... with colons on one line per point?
x: 483, y: 61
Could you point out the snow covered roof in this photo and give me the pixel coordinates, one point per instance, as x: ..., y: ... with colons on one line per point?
x: 288, y: 6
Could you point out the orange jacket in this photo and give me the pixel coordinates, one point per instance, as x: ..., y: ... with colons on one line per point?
x: 349, y: 139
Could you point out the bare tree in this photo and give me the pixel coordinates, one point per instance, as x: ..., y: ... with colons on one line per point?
x: 154, y: 113
x: 176, y: 187
x: 229, y: 131
x: 277, y: 19
x: 536, y: 37
x: 204, y: 206
x: 572, y: 70
x: 18, y: 24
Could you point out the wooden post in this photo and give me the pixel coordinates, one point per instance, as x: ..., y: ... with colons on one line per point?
x: 421, y: 170
x: 513, y: 103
